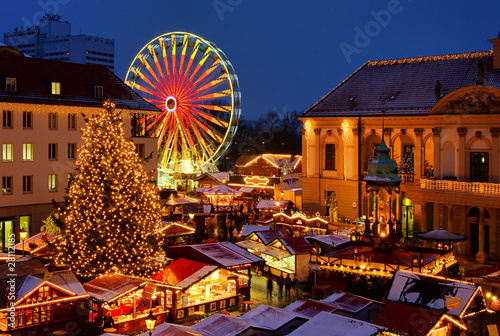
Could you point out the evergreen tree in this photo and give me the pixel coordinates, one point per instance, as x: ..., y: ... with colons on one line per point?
x: 112, y: 211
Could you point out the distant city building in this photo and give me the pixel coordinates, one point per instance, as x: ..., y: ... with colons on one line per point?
x: 52, y: 40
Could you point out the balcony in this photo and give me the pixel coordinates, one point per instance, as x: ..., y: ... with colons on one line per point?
x: 405, y: 178
x: 461, y: 187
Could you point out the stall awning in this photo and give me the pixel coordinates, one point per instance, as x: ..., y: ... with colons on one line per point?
x: 246, y: 189
x: 274, y: 252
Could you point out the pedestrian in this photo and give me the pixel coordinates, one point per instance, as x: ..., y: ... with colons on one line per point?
x: 280, y: 282
x: 270, y: 287
x: 288, y: 285
x: 108, y: 321
x: 296, y: 285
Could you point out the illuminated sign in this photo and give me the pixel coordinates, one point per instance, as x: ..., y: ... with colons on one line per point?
x: 256, y: 180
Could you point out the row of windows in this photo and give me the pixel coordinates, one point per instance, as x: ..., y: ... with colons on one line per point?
x: 99, y: 53
x: 99, y: 59
x: 8, y: 183
x: 7, y: 120
x: 8, y: 152
x: 57, y: 53
x: 55, y: 87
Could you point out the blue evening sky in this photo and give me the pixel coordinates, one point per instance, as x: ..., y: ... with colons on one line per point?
x: 287, y: 54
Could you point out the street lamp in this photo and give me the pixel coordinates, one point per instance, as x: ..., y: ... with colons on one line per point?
x: 150, y: 322
x: 23, y: 234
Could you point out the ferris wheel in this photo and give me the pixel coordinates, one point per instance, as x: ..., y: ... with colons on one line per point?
x: 194, y: 85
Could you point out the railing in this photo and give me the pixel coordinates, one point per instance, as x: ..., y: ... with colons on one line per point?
x: 458, y: 186
x: 405, y: 178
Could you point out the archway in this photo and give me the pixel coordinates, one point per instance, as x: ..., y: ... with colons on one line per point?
x: 473, y: 217
x: 429, y: 157
x: 449, y: 161
x: 407, y: 216
x: 371, y: 143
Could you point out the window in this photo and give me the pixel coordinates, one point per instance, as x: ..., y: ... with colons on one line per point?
x: 27, y: 119
x: 139, y: 149
x: 27, y: 183
x: 52, y: 151
x: 7, y: 119
x: 27, y: 152
x: 52, y: 182
x: 329, y: 156
x: 72, y: 121
x: 98, y: 91
x: 52, y: 120
x: 71, y: 151
x: 56, y: 88
x: 11, y: 84
x: 8, y: 150
x: 7, y: 185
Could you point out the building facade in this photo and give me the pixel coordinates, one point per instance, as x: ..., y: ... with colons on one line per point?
x: 52, y: 40
x: 42, y: 104
x: 440, y: 117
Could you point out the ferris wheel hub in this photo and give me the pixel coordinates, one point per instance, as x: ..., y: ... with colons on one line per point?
x: 171, y: 104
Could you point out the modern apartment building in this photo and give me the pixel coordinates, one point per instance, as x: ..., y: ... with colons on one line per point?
x: 52, y: 40
x: 42, y: 102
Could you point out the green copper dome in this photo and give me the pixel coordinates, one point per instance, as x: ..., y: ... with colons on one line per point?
x: 382, y: 171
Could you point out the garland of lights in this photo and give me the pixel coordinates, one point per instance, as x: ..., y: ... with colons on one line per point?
x: 112, y: 211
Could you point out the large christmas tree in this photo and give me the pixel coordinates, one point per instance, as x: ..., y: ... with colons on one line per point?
x: 112, y: 210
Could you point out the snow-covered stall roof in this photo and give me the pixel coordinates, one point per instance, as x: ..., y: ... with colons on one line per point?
x: 227, y: 325
x: 225, y: 254
x: 184, y: 272
x: 333, y: 240
x: 66, y: 280
x: 327, y: 324
x: 269, y: 317
x: 309, y: 308
x: 168, y: 329
x: 248, y: 229
x: 296, y: 245
x: 430, y: 291
x: 348, y: 302
x: 109, y: 287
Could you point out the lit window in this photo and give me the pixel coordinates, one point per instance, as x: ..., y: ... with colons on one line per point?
x: 52, y: 121
x: 71, y: 151
x: 11, y: 84
x: 7, y: 185
x: 56, y: 88
x: 139, y: 149
x: 8, y: 150
x: 329, y: 156
x: 98, y: 91
x: 27, y: 119
x: 27, y: 184
x: 52, y: 182
x: 27, y: 152
x: 52, y: 151
x: 7, y: 119
x: 72, y: 121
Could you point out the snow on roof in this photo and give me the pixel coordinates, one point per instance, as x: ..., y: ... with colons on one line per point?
x: 108, y: 287
x: 67, y: 280
x: 218, y: 325
x: 268, y: 236
x: 29, y: 284
x: 347, y: 302
x: 308, y: 308
x: 327, y: 324
x: 271, y: 205
x: 248, y: 229
x: 225, y: 254
x: 241, y: 251
x: 269, y: 317
x: 333, y: 240
x: 296, y: 245
x: 429, y: 291
x: 168, y: 329
x: 184, y: 272
x: 35, y: 239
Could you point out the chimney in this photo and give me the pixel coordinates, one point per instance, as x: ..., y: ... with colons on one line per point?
x: 496, y: 52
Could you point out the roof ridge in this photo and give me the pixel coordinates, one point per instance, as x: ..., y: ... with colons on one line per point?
x: 444, y: 57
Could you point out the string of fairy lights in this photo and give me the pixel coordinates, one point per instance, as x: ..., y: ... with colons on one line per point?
x: 112, y: 211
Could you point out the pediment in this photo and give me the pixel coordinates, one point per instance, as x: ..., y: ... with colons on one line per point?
x: 476, y: 99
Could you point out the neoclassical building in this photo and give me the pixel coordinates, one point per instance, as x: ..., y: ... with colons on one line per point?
x: 440, y: 118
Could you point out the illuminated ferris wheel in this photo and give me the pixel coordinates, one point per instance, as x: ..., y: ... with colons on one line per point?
x: 194, y: 85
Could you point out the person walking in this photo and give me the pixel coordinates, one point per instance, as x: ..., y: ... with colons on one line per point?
x: 269, y: 287
x: 288, y: 285
x: 280, y: 282
x: 296, y: 286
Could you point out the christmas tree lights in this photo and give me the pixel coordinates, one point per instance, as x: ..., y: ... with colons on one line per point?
x: 112, y: 211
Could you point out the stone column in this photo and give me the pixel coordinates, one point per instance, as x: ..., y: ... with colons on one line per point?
x: 494, y: 173
x: 436, y: 133
x: 462, y: 132
x: 356, y: 163
x: 417, y: 155
x: 493, y: 233
x: 305, y: 145
x: 481, y: 256
x: 317, y: 152
x: 341, y: 156
x: 450, y: 219
x: 436, y: 216
x: 424, y: 217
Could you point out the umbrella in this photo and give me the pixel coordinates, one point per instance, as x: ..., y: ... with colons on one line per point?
x: 441, y: 235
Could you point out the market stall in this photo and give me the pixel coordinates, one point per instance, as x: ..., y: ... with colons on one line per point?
x: 200, y: 287
x: 298, y: 224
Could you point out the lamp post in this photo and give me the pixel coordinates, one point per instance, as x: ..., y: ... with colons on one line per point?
x: 23, y: 234
x: 150, y: 322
